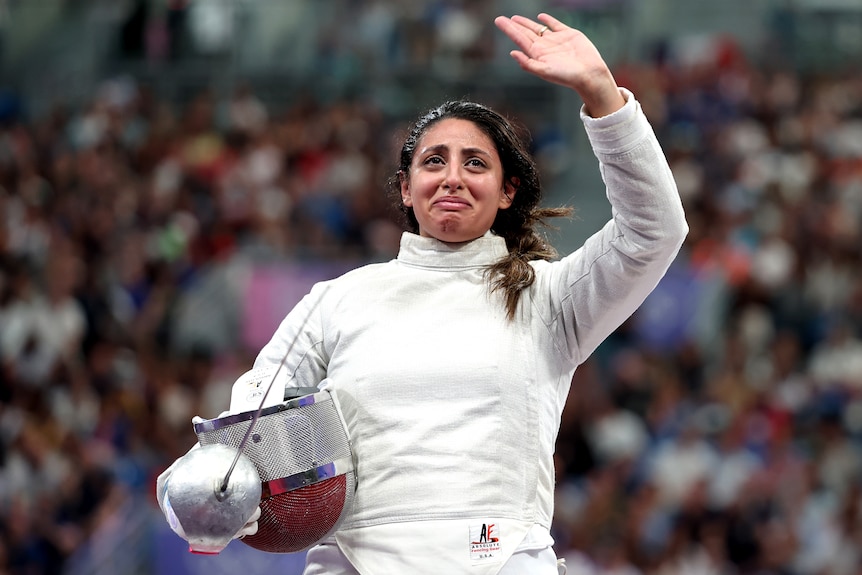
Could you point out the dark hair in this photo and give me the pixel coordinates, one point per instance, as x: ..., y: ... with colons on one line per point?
x: 518, y: 223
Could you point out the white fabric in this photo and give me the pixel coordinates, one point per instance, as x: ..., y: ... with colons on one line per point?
x: 453, y: 410
x: 377, y: 549
x: 533, y: 556
x: 532, y: 562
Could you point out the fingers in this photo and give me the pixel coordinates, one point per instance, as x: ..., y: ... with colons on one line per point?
x: 527, y: 29
x: 524, y: 61
x: 519, y: 33
x: 530, y: 27
x: 247, y: 530
x: 254, y: 516
x: 173, y: 520
x: 251, y: 526
x: 552, y: 23
x: 526, y: 33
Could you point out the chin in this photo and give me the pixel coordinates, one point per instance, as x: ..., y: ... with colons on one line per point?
x: 453, y: 231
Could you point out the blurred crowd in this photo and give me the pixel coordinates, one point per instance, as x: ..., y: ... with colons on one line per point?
x: 719, y: 430
x: 347, y: 38
x: 716, y: 432
x: 108, y: 215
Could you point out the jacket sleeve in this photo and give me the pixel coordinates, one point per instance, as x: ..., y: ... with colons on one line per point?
x: 594, y: 290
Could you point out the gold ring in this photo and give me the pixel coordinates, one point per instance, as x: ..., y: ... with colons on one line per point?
x: 542, y: 30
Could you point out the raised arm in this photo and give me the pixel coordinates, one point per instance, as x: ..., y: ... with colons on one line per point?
x: 589, y: 293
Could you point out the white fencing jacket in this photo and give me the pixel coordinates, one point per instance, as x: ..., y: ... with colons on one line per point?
x: 452, y: 408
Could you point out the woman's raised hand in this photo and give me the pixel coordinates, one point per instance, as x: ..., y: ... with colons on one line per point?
x: 563, y: 55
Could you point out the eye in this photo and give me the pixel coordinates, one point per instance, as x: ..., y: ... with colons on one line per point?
x: 475, y: 163
x: 433, y: 160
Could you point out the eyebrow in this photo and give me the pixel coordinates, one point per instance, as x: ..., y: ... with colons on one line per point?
x: 466, y: 151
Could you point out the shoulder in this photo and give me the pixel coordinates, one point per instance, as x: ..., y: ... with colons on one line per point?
x: 363, y: 273
x: 364, y: 276
x: 541, y: 266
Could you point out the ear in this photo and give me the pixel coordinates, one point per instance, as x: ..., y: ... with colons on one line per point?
x: 510, y: 188
x: 406, y: 197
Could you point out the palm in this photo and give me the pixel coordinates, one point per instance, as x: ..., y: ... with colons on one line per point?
x: 561, y: 55
x: 564, y: 57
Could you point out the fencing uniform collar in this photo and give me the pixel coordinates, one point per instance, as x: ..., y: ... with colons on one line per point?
x: 429, y: 253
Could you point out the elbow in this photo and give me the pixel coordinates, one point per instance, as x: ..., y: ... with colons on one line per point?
x: 664, y: 243
x: 676, y: 246
x: 674, y: 229
x: 674, y: 237
x: 669, y: 233
x: 679, y: 232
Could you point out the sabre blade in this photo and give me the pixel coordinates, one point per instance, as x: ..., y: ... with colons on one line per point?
x: 256, y: 415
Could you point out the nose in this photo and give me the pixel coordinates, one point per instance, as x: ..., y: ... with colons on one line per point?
x: 452, y: 179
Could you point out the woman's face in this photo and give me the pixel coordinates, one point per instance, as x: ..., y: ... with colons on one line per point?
x: 455, y: 182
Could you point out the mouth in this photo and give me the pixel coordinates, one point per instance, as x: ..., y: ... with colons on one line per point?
x: 451, y: 203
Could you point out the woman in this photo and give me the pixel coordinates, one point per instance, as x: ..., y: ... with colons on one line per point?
x: 452, y: 362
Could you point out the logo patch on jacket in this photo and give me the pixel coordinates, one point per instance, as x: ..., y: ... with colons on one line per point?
x: 484, y: 542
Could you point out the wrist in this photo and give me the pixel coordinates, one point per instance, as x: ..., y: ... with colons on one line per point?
x: 605, y: 103
x: 600, y: 94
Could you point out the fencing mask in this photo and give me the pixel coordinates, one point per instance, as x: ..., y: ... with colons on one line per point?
x: 302, y: 453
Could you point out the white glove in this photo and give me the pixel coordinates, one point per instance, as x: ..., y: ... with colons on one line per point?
x: 250, y: 527
x: 164, y: 502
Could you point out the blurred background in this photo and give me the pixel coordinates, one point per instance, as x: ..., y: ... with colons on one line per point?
x: 175, y: 174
